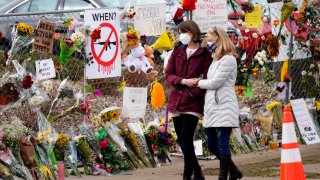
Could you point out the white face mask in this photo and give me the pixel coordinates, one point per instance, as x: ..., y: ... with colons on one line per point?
x: 185, y: 38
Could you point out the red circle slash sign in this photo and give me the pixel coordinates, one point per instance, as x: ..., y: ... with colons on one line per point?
x: 96, y: 56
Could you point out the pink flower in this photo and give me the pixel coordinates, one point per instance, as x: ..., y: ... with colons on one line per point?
x: 73, y: 24
x: 104, y: 143
x: 56, y: 36
x: 162, y: 129
x: 97, y: 92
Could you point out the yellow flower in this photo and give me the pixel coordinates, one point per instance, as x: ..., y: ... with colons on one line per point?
x: 46, y: 171
x: 163, y: 121
x: 104, y: 117
x: 114, y: 115
x: 62, y: 140
x: 317, y: 105
x: 272, y: 105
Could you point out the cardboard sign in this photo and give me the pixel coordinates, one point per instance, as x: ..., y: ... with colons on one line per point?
x: 150, y: 20
x: 253, y: 19
x: 304, y: 121
x: 198, y: 147
x: 43, y: 37
x: 134, y: 102
x: 210, y: 13
x: 45, y: 69
x: 104, y: 53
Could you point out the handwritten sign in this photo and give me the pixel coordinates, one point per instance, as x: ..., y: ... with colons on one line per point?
x: 150, y: 20
x: 253, y: 19
x: 45, y: 69
x: 134, y: 102
x: 43, y: 37
x: 104, y: 53
x: 210, y: 13
x: 304, y: 121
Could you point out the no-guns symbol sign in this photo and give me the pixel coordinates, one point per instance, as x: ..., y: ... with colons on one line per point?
x: 105, y: 51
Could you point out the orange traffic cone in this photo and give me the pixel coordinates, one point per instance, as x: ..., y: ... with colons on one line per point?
x: 291, y: 167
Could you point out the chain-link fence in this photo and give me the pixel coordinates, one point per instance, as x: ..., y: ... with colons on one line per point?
x: 109, y: 86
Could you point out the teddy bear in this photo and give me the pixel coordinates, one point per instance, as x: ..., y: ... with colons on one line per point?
x: 136, y: 61
x: 150, y: 56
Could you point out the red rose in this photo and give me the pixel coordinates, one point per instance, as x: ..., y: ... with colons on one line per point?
x: 104, y: 143
x: 152, y: 136
x: 27, y: 82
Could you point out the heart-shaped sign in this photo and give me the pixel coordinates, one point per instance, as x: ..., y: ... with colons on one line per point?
x: 133, y: 100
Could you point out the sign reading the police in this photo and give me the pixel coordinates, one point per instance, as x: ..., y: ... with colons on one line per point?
x: 43, y: 37
x: 104, y: 58
x: 45, y: 69
x: 210, y: 13
x: 150, y: 20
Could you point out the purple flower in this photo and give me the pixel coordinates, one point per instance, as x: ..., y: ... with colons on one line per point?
x: 97, y: 92
x: 169, y: 141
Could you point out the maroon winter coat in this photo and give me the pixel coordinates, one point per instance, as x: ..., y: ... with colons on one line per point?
x: 183, y: 98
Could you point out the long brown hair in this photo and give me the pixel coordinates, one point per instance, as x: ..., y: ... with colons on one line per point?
x: 224, y: 43
x: 191, y: 26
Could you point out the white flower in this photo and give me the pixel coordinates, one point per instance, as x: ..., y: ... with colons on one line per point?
x: 259, y: 58
x: 36, y: 100
x: 78, y: 36
x: 303, y: 73
x: 47, y: 85
x: 261, y: 63
x: 243, y: 24
x: 312, y: 66
x: 263, y: 69
x: 240, y: 21
x: 310, y: 74
x: 245, y: 38
x: 255, y: 35
x: 246, y: 30
x: 265, y: 19
x: 153, y: 124
x: 263, y: 38
x: 259, y: 54
x: 316, y: 76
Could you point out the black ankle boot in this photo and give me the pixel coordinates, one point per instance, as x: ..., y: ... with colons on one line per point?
x: 235, y: 173
x: 186, y: 177
x: 198, y: 175
x: 224, y: 167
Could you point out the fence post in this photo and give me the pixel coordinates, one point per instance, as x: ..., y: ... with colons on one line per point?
x: 289, y: 60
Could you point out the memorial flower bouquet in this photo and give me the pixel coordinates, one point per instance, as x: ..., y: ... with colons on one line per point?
x: 21, y: 37
x: 60, y: 148
x: 84, y: 153
x: 133, y: 36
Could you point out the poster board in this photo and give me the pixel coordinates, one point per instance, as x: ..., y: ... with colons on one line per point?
x: 210, y: 13
x: 43, y: 37
x: 305, y: 123
x: 134, y: 102
x: 150, y: 20
x: 45, y: 69
x: 253, y: 19
x: 103, y: 54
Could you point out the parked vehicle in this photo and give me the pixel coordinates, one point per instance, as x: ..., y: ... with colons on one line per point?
x: 30, y: 11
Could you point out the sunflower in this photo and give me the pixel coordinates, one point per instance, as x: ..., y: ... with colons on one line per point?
x: 114, y: 115
x: 104, y: 117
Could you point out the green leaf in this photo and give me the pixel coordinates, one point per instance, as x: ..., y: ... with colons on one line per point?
x: 88, y: 88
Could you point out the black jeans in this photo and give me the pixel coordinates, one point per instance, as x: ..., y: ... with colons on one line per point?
x: 185, y: 126
x: 219, y: 140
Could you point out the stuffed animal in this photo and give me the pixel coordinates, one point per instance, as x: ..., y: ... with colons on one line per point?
x: 136, y: 61
x: 150, y: 56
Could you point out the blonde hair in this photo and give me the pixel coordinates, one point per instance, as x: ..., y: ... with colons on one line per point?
x: 225, y: 45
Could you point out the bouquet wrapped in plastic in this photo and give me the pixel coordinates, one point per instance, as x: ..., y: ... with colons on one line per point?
x: 72, y: 154
x: 85, y: 154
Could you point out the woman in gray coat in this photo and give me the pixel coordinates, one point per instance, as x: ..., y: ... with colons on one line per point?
x: 221, y: 110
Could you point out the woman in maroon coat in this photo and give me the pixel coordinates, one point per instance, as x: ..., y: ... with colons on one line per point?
x: 187, y: 63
